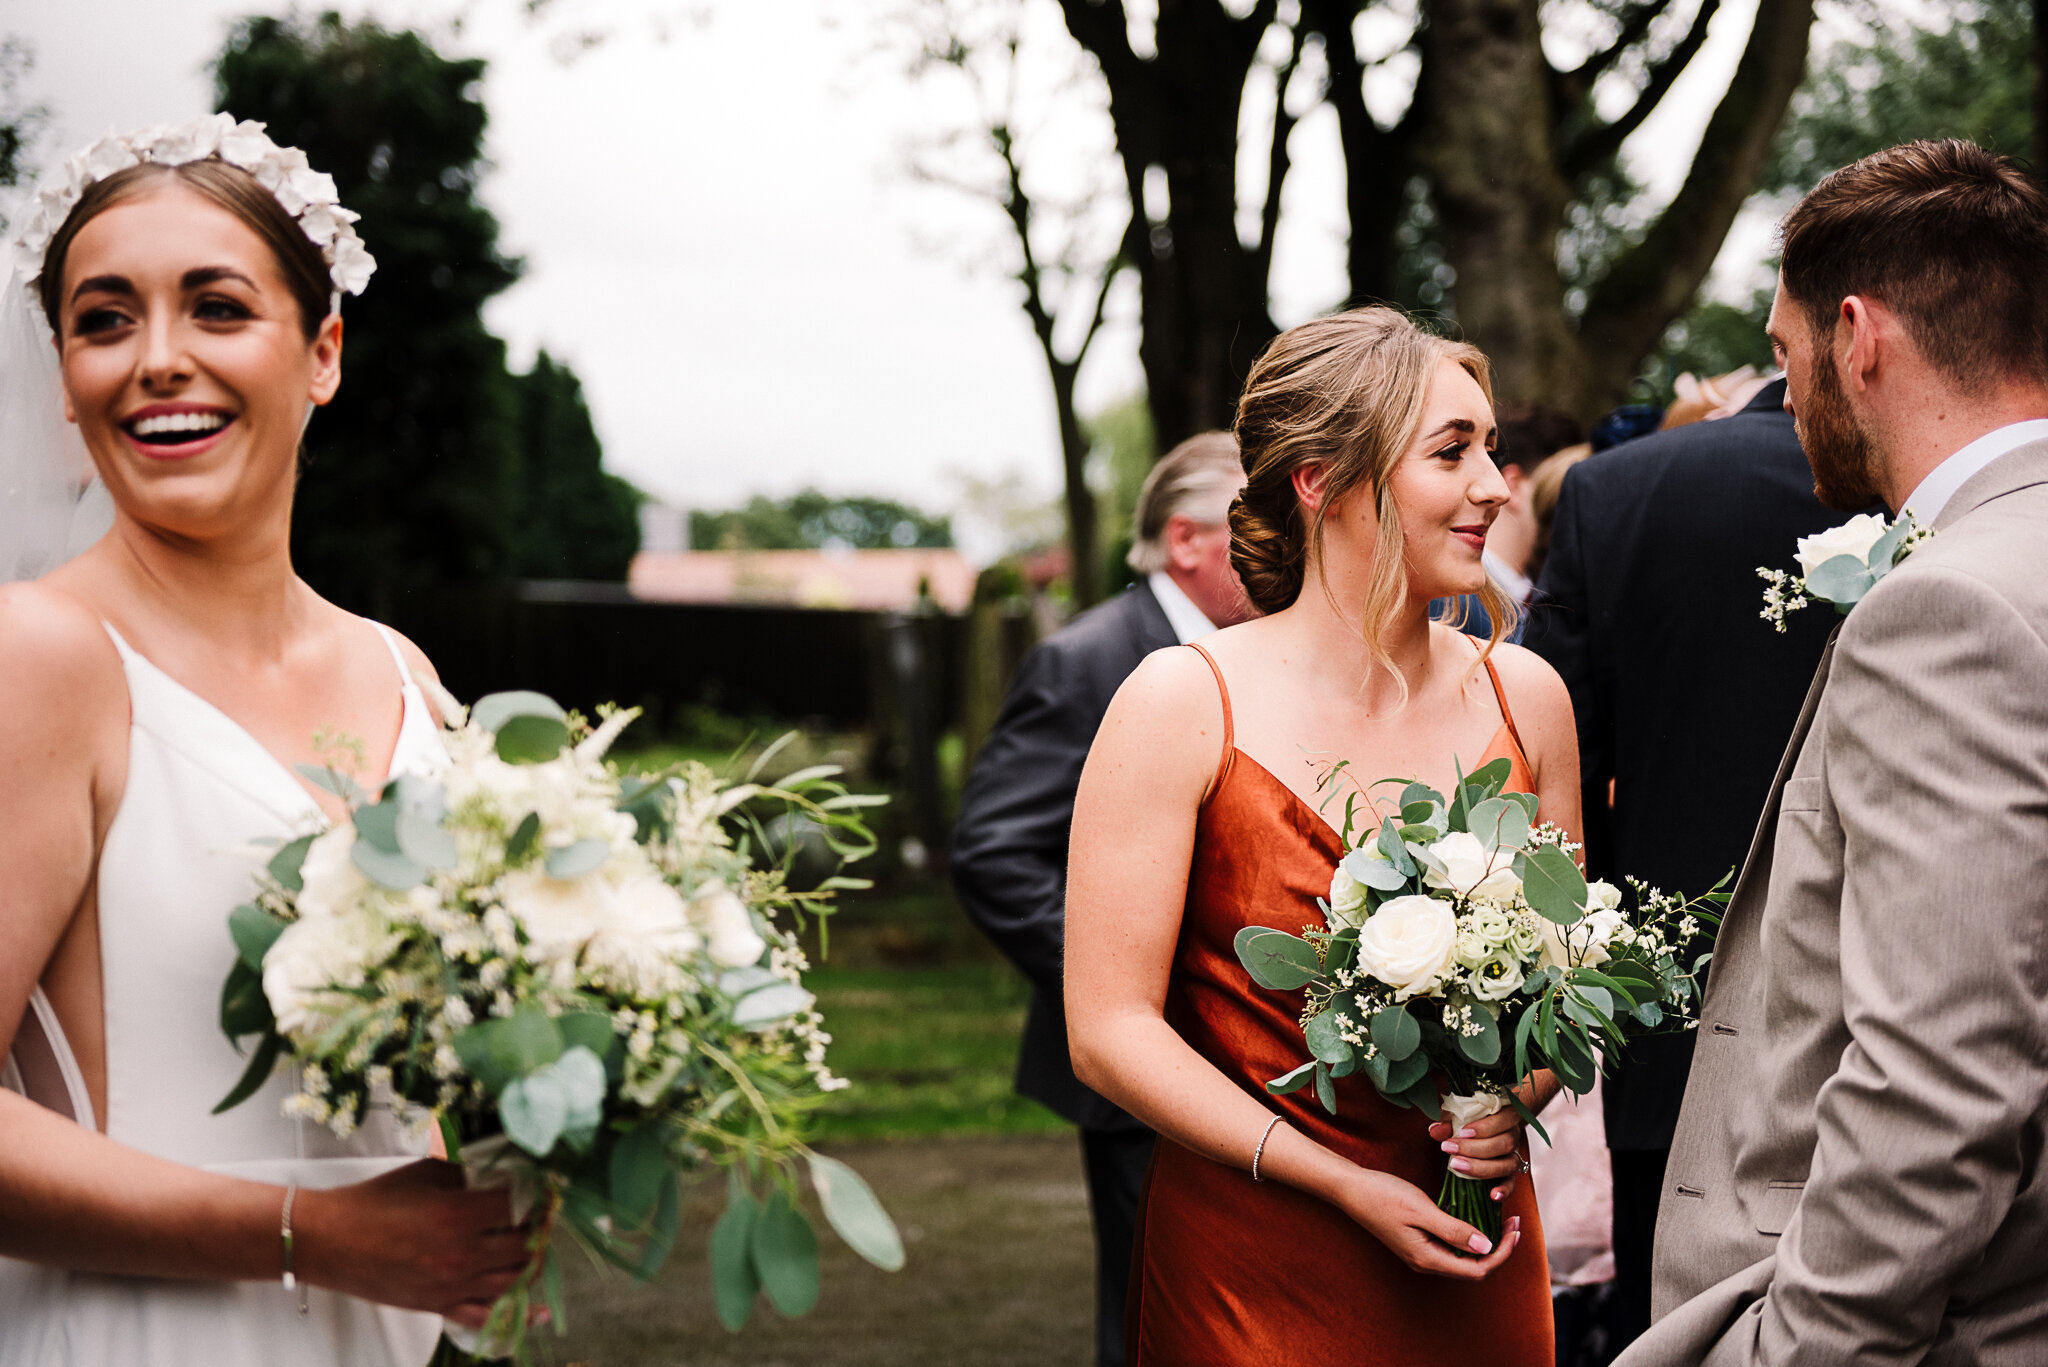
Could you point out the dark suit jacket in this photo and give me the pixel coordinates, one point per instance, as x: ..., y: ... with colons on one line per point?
x: 1685, y: 697
x: 1009, y: 857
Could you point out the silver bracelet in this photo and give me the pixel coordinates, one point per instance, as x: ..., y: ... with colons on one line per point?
x: 291, y: 1194
x: 1260, y: 1151
x: 284, y: 1235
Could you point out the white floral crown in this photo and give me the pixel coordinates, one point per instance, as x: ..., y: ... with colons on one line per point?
x: 307, y: 195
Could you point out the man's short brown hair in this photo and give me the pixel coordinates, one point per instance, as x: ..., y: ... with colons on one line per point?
x: 1952, y: 238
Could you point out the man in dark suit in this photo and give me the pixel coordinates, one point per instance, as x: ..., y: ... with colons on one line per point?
x: 1009, y: 857
x: 1648, y: 608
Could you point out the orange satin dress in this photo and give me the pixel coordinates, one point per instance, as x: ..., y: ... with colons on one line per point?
x: 1230, y: 1271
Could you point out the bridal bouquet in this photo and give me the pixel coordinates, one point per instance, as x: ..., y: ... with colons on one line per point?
x: 1461, y: 942
x: 583, y: 979
x: 1841, y: 564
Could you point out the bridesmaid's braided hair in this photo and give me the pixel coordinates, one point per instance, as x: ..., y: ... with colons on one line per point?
x: 1347, y: 392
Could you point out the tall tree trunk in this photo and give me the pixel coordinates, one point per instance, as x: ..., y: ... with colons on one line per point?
x: 1203, y: 290
x: 2041, y: 90
x: 1487, y: 148
x: 1082, y: 544
x: 1376, y: 160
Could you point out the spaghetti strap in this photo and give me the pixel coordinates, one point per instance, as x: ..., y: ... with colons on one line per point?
x: 405, y: 670
x: 1500, y: 696
x: 1229, y: 727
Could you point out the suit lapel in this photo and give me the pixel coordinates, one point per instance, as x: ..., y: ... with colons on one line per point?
x: 1754, y: 879
x: 1150, y: 629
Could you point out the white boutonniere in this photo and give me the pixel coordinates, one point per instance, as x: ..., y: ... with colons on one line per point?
x: 1841, y: 564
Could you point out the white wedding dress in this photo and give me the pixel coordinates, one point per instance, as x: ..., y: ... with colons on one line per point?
x: 204, y: 804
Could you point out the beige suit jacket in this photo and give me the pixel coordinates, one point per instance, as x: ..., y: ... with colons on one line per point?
x: 1858, y: 1173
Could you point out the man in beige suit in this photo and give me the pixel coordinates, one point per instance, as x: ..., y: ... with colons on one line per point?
x: 1859, y: 1171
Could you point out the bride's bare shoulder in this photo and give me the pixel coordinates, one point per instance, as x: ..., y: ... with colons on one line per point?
x: 57, y: 655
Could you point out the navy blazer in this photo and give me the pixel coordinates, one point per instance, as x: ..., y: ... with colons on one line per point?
x: 1649, y: 608
x: 1009, y: 855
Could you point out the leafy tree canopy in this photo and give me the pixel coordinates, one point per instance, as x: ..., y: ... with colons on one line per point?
x: 811, y: 520
x: 412, y: 473
x: 580, y: 522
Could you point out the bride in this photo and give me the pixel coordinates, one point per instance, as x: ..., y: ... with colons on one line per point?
x: 1270, y: 1230
x: 155, y: 693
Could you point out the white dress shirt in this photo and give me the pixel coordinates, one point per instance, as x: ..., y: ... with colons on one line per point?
x: 1516, y: 584
x: 1932, y: 494
x: 1189, y: 622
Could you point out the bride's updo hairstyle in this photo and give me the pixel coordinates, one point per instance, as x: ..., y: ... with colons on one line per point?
x: 1346, y: 391
x: 305, y: 271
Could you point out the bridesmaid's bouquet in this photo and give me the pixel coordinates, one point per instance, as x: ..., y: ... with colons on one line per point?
x: 1462, y: 948
x: 584, y: 978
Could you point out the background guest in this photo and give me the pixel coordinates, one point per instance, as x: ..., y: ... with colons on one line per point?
x: 1530, y: 435
x: 1544, y: 488
x: 1009, y: 858
x: 1648, y: 608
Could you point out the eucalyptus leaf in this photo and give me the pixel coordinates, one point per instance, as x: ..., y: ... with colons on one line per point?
x: 1527, y: 802
x: 1396, y: 1033
x: 525, y: 836
x: 377, y: 826
x: 261, y: 1066
x: 1293, y: 1080
x: 1276, y: 959
x: 392, y: 872
x: 777, y: 1002
x: 1374, y: 873
x: 286, y: 864
x: 1402, y: 1073
x: 531, y: 740
x: 1842, y: 580
x: 580, y: 1075
x: 786, y: 1255
x: 1649, y: 1014
x: 1326, y: 1090
x: 640, y: 1163
x: 734, y: 1282
x: 492, y: 712
x: 575, y: 860
x: 661, y: 1237
x: 1552, y: 884
x: 1500, y: 824
x: 534, y: 1109
x: 1482, y: 1046
x: 737, y: 982
x: 1885, y: 549
x: 1492, y: 777
x: 423, y: 840
x: 527, y: 1040
x: 1324, y: 1041
x: 254, y: 931
x: 244, y: 1009
x: 1390, y: 844
x: 333, y: 781
x: 854, y: 1213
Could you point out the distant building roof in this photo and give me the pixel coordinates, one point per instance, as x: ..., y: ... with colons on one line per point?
x: 865, y: 580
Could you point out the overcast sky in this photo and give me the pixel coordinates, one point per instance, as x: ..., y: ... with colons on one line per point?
x: 721, y: 238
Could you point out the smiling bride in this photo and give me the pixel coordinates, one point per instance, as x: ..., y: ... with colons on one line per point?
x: 155, y: 693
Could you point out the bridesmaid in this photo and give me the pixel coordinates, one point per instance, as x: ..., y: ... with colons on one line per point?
x: 1370, y: 491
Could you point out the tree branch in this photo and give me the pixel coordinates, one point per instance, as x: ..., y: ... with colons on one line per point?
x: 1596, y: 146
x: 1652, y: 282
x: 1099, y: 26
x: 1278, y: 159
x: 1635, y: 26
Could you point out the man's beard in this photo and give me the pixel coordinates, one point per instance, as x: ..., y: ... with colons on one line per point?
x: 1837, y: 447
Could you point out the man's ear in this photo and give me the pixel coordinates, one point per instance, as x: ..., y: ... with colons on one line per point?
x: 1865, y: 329
x: 1310, y: 479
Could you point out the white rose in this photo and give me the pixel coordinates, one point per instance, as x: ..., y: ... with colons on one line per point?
x: 330, y: 881
x: 1500, y: 887
x: 1583, y: 945
x: 728, y: 925
x: 1492, y: 925
x: 1853, y: 538
x: 1472, y: 949
x: 1461, y: 1111
x: 313, y: 956
x: 1347, y: 901
x: 559, y: 915
x: 1602, y: 895
x: 643, y: 936
x: 1408, y: 944
x: 1467, y: 864
x: 1498, y: 978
